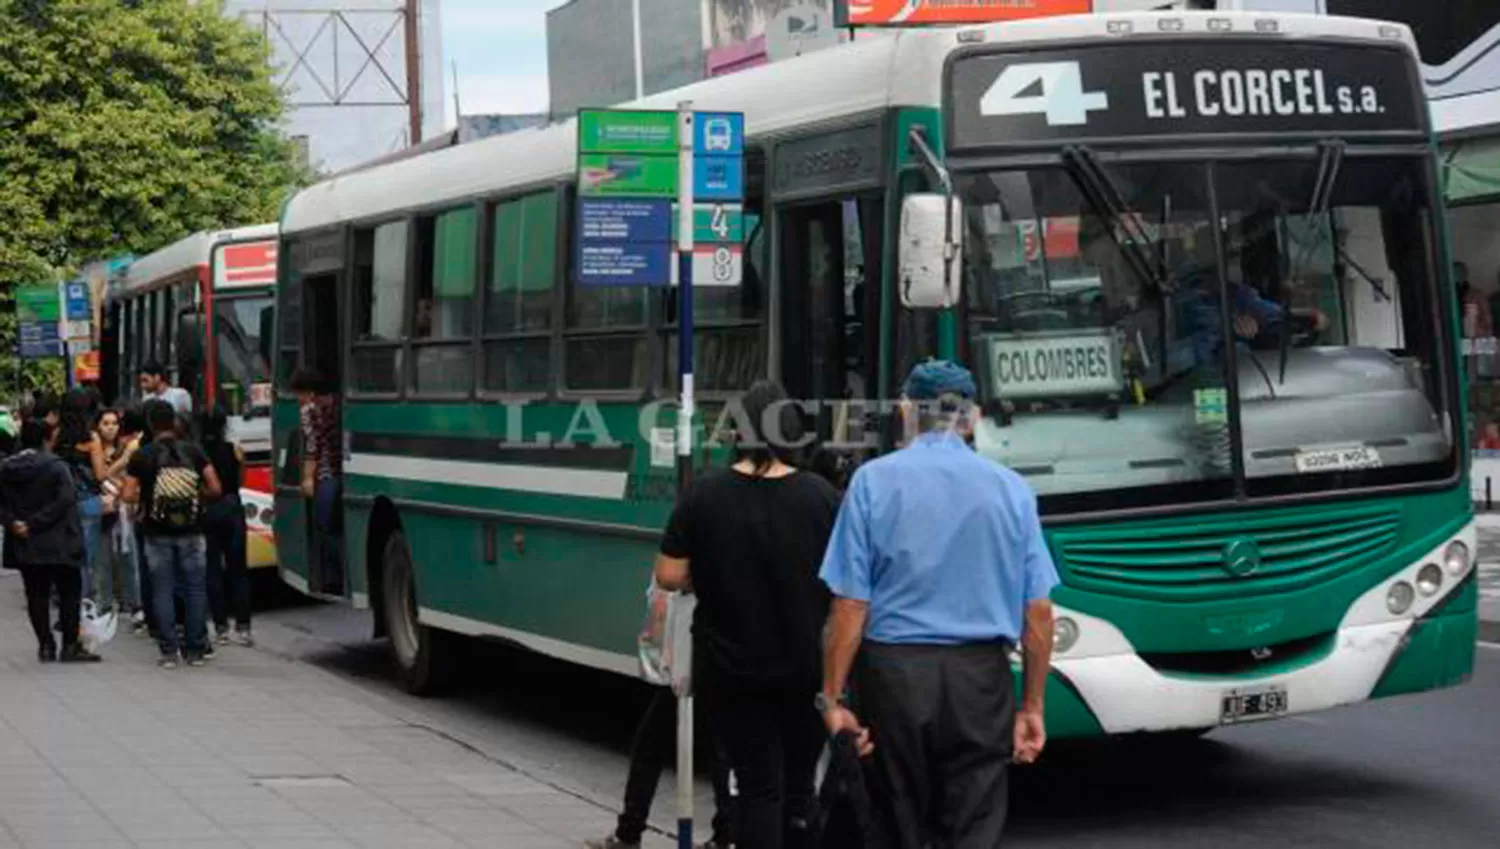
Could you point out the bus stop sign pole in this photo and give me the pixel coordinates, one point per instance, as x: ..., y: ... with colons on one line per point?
x: 685, y: 143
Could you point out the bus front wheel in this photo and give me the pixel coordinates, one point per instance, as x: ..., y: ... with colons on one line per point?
x: 422, y: 655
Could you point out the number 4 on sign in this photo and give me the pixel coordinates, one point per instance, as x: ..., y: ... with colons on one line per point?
x: 720, y: 222
x: 1059, y: 94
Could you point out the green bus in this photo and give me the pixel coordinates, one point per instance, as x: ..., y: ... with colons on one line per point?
x: 1083, y: 209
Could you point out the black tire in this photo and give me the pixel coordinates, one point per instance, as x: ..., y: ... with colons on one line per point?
x: 422, y: 656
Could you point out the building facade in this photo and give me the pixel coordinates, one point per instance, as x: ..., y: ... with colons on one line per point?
x: 343, y: 65
x: 591, y: 51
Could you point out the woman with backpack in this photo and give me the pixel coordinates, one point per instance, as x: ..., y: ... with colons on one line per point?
x: 224, y: 531
x: 78, y: 446
x: 170, y: 480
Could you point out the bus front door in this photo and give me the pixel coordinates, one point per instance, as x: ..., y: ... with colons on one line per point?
x: 322, y: 347
x: 828, y: 326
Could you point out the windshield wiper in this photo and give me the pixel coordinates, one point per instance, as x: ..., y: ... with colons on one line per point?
x: 1330, y: 163
x: 1104, y: 196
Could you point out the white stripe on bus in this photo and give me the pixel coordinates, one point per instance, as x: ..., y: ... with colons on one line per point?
x: 550, y: 480
x: 572, y: 652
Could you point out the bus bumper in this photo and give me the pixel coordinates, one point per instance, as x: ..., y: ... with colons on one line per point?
x: 1373, y: 653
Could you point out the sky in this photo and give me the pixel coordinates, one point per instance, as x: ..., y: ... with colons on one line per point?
x: 500, y: 48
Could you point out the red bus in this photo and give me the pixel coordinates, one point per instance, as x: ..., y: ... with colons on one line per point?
x: 203, y: 307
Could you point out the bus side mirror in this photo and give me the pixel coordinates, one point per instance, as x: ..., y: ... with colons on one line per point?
x: 931, y: 261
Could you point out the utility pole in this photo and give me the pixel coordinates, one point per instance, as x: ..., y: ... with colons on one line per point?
x: 414, y: 70
x: 638, y: 49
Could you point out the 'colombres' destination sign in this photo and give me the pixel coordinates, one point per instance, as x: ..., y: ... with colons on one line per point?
x: 1200, y: 87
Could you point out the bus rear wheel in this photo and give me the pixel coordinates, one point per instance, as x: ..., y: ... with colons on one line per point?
x: 422, y: 655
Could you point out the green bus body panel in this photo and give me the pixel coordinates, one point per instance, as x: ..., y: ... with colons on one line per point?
x: 1067, y: 715
x: 1233, y: 620
x: 1439, y: 651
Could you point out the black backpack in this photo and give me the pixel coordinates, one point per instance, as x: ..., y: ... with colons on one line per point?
x: 176, y: 494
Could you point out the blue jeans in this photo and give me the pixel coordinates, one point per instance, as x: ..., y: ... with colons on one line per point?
x: 117, y: 582
x: 91, y: 513
x: 179, y: 562
x: 330, y: 531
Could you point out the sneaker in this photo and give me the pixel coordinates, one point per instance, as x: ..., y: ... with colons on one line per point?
x: 197, y: 660
x: 47, y: 654
x: 77, y: 654
x: 140, y: 629
x: 168, y: 661
x: 208, y: 652
x: 221, y: 635
x: 610, y: 842
x: 244, y: 638
x: 138, y: 618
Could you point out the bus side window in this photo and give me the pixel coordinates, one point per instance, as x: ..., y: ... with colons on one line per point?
x: 379, y: 307
x: 520, y: 280
x: 443, y: 318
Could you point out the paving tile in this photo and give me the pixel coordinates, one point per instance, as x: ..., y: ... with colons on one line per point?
x: 253, y: 752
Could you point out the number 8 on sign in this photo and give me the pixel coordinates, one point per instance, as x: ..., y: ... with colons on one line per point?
x: 723, y: 265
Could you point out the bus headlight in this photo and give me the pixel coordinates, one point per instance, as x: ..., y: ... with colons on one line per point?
x: 1399, y: 598
x: 1429, y: 580
x: 1456, y: 558
x: 1064, y: 635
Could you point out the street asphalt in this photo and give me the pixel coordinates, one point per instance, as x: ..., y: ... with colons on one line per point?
x: 1417, y: 771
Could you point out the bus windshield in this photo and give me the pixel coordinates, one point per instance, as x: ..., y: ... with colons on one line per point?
x: 1099, y: 329
x: 244, y: 375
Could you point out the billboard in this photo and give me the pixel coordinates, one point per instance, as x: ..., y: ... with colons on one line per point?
x: 881, y: 13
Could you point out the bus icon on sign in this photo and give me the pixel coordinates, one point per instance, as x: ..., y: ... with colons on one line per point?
x: 718, y: 135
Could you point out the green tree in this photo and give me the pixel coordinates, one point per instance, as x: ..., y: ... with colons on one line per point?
x: 125, y: 126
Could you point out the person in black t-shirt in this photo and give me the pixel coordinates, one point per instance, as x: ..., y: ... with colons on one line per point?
x: 224, y: 530
x: 748, y: 541
x: 171, y: 533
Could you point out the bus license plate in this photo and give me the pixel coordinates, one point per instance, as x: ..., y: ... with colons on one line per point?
x: 1242, y: 705
x: 1337, y: 460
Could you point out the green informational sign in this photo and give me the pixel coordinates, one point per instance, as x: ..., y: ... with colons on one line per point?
x: 627, y: 175
x: 715, y: 223
x: 602, y: 131
x: 37, y: 302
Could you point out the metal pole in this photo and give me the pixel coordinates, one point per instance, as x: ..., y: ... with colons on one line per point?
x: 62, y: 337
x: 414, y: 71
x: 685, y: 137
x: 635, y: 27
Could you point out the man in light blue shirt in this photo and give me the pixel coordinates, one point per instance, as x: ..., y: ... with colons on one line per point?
x: 939, y: 568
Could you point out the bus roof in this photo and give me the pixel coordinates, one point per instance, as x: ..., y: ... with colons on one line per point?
x: 890, y: 69
x: 185, y: 255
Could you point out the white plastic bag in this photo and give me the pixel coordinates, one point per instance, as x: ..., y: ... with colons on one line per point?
x: 665, y: 646
x: 652, y: 642
x: 680, y: 610
x: 95, y: 628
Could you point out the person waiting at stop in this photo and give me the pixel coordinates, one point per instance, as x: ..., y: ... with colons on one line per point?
x: 938, y: 570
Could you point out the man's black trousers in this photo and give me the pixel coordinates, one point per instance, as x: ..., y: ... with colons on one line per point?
x: 942, y: 719
x: 40, y: 581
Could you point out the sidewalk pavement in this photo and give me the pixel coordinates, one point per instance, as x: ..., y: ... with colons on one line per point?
x: 251, y: 751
